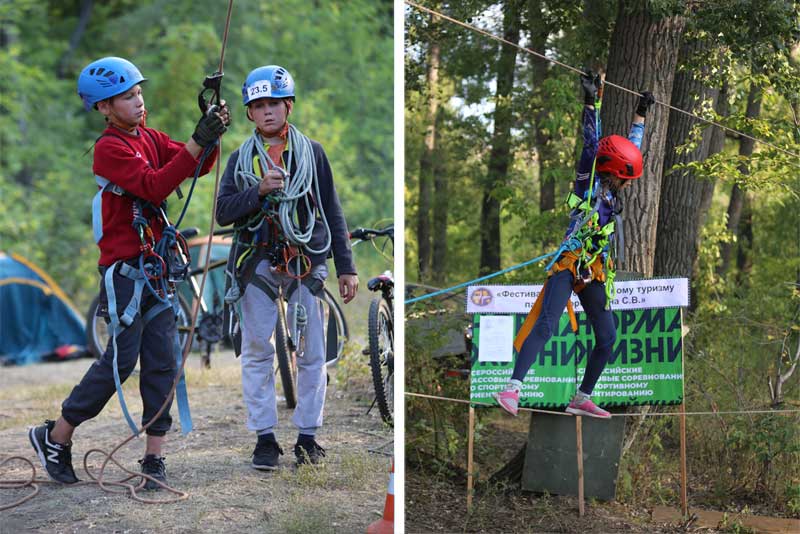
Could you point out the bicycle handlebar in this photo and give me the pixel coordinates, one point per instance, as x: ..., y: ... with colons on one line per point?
x: 366, y: 234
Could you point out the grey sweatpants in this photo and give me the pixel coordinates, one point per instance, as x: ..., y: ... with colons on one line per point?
x: 259, y: 315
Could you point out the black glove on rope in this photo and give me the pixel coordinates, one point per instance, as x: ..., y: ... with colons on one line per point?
x: 590, y: 82
x: 208, y: 129
x: 645, y: 101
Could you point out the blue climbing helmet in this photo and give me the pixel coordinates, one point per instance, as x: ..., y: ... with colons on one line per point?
x: 271, y: 81
x: 106, y: 77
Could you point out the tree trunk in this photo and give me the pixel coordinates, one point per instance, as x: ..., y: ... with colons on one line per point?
x: 643, y: 55
x: 441, y: 199
x: 680, y: 212
x: 539, y: 71
x: 500, y: 155
x: 426, y: 163
x: 736, y: 202
x: 75, y: 38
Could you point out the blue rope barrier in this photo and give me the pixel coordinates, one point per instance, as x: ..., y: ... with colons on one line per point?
x: 481, y: 279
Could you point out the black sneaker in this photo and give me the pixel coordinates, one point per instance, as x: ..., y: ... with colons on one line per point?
x: 308, y: 452
x: 153, y: 466
x: 265, y: 455
x: 55, y: 457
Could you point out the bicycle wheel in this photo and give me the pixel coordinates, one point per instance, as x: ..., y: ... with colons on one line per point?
x: 381, y: 356
x: 287, y: 358
x: 336, y: 330
x: 98, y: 336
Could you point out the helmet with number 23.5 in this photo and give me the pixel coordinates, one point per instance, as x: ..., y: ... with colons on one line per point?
x: 271, y: 81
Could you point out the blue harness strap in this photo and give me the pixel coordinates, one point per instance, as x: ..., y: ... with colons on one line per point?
x: 118, y: 324
x: 116, y: 328
x: 97, y: 204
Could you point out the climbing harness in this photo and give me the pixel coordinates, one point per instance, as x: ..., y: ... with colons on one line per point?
x: 161, y: 265
x: 288, y: 243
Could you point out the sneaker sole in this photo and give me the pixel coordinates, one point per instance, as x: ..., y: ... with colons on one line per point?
x: 264, y: 467
x: 39, y: 451
x: 503, y: 406
x: 42, y: 459
x: 576, y: 411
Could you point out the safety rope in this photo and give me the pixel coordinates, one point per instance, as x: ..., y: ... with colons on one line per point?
x: 627, y: 414
x: 480, y: 279
x: 122, y: 485
x: 579, y: 71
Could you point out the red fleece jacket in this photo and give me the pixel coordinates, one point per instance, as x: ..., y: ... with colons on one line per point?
x: 148, y: 170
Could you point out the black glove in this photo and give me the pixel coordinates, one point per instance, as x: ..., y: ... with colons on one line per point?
x: 591, y: 83
x: 208, y: 128
x: 645, y: 101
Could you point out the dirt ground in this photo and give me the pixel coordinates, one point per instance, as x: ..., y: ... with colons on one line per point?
x: 436, y: 499
x: 212, y: 463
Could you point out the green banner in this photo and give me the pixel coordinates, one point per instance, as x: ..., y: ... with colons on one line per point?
x: 645, y: 365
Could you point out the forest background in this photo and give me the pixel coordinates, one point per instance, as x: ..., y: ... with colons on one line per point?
x: 492, y: 137
x: 339, y: 53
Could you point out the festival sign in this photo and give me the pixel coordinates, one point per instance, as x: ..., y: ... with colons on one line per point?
x: 646, y: 364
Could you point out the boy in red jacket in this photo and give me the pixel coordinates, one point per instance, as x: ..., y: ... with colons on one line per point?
x: 136, y: 168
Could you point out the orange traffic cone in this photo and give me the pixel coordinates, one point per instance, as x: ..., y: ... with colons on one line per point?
x: 386, y: 525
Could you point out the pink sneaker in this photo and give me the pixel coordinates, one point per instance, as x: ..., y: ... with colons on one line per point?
x: 508, y: 400
x: 588, y: 408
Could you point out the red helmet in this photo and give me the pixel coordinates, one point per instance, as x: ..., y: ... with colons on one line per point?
x: 619, y: 157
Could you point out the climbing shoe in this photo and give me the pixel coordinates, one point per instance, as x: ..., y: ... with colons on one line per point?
x: 585, y: 406
x: 153, y: 466
x: 55, y: 457
x: 508, y: 400
x: 308, y: 451
x: 266, y: 453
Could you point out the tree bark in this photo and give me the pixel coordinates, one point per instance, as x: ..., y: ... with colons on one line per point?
x: 426, y: 162
x: 539, y: 70
x: 680, y: 213
x: 736, y: 203
x: 500, y: 155
x: 441, y: 200
x: 643, y: 55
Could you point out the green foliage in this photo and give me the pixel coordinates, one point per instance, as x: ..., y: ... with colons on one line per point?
x: 340, y: 56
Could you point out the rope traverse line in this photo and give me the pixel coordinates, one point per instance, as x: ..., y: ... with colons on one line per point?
x: 574, y: 69
x: 481, y: 279
x: 630, y: 414
x: 109, y: 457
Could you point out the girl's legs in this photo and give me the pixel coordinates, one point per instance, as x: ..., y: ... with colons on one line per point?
x: 593, y: 299
x: 556, y: 294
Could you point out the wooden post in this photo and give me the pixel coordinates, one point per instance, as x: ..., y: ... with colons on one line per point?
x: 684, y: 472
x: 579, y: 435
x: 470, y: 443
x: 684, y: 498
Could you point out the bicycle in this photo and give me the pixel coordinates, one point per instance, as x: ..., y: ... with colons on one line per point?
x: 380, y: 327
x: 209, y: 330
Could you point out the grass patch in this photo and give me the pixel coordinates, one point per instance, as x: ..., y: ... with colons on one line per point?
x: 307, y: 514
x: 352, y: 472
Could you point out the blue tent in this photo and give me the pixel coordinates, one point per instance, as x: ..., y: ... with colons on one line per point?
x: 36, y: 317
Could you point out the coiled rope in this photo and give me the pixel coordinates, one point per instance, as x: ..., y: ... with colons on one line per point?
x: 295, y: 191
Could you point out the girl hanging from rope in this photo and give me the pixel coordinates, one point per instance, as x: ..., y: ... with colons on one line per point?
x: 583, y: 263
x: 278, y: 191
